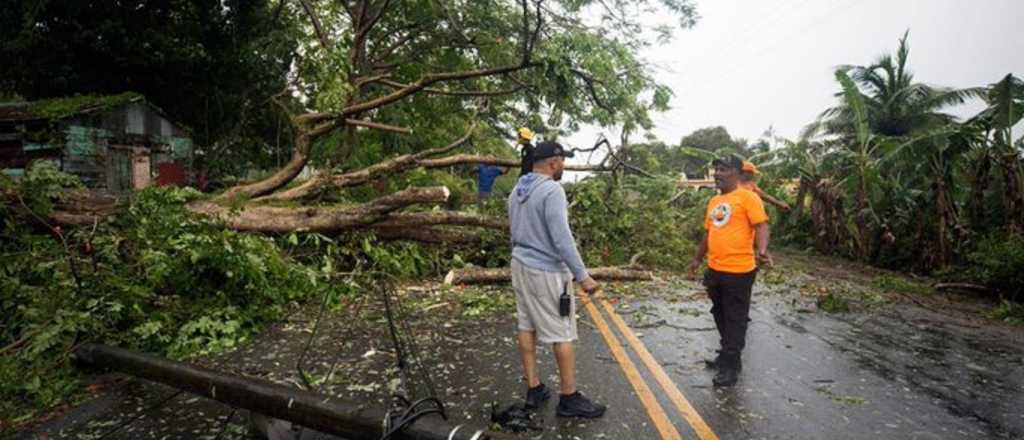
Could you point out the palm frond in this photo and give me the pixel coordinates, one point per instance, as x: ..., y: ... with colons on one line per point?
x: 855, y: 100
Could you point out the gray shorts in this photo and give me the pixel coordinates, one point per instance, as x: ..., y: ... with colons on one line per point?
x: 537, y: 294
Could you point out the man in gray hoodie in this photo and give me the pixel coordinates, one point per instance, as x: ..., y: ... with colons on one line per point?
x: 544, y: 263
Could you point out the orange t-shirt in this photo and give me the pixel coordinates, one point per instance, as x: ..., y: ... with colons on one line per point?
x: 730, y: 221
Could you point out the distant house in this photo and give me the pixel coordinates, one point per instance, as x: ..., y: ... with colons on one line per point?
x: 118, y: 142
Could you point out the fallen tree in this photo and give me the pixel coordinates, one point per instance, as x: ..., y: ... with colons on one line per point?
x: 504, y: 275
x: 477, y: 75
x: 270, y: 219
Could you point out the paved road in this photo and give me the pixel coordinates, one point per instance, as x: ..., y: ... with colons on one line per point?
x: 896, y: 371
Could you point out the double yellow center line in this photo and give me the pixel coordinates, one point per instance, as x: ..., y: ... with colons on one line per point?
x: 661, y: 421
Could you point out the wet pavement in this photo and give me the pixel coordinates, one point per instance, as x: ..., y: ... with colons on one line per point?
x: 896, y: 367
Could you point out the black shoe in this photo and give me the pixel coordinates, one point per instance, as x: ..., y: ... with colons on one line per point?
x: 726, y: 377
x: 729, y: 366
x: 576, y: 405
x: 712, y: 364
x: 536, y: 396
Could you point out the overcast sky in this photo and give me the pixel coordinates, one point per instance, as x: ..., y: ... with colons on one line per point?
x: 748, y: 65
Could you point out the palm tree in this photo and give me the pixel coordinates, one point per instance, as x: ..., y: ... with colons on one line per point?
x: 894, y: 104
x: 883, y: 112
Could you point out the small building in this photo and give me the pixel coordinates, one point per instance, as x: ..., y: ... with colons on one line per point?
x: 118, y: 143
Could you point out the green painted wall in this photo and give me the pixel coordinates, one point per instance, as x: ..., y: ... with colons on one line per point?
x: 85, y: 153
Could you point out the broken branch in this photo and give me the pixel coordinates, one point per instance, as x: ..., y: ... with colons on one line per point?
x: 503, y: 275
x: 268, y: 219
x: 359, y: 177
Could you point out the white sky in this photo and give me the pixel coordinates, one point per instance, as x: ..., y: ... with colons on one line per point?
x: 748, y: 65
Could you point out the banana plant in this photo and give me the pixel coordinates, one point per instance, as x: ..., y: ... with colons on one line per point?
x: 862, y: 156
x: 1005, y: 110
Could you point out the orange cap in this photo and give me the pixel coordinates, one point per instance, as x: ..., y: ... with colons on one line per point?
x: 748, y: 167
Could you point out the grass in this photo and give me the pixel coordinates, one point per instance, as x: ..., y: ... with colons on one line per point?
x: 890, y: 283
x: 834, y: 303
x: 1012, y: 313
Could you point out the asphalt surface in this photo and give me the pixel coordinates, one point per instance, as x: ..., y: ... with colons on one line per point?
x: 922, y: 369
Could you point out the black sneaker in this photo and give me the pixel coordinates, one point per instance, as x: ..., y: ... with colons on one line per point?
x: 577, y: 405
x: 536, y: 396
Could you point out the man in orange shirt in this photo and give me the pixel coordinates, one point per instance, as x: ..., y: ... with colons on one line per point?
x: 747, y: 182
x: 736, y: 225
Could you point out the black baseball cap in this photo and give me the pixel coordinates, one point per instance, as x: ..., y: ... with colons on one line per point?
x: 728, y: 162
x: 548, y: 149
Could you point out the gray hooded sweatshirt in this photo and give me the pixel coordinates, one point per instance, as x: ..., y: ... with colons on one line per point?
x: 539, y: 223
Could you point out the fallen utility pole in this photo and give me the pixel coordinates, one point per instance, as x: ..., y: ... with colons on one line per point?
x: 322, y: 413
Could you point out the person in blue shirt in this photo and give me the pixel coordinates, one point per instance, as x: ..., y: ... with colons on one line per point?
x: 485, y: 177
x: 545, y: 262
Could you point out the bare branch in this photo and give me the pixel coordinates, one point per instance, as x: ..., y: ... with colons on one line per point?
x: 378, y: 126
x: 268, y: 219
x: 388, y: 50
x: 389, y: 167
x: 376, y: 17
x: 426, y: 81
x: 316, y: 24
x: 589, y: 81
x: 359, y: 82
x: 465, y: 159
x: 300, y: 156
x: 437, y: 91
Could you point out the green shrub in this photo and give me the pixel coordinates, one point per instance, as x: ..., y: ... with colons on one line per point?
x: 613, y: 224
x: 1008, y: 312
x: 998, y: 262
x: 156, y: 278
x: 834, y: 303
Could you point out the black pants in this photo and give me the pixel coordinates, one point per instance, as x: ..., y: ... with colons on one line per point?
x: 730, y: 299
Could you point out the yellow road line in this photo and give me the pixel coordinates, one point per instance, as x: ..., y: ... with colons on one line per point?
x: 654, y: 409
x: 702, y: 429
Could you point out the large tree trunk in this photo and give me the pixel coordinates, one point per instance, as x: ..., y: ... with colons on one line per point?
x: 300, y: 156
x: 269, y: 219
x: 503, y: 275
x: 84, y: 207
